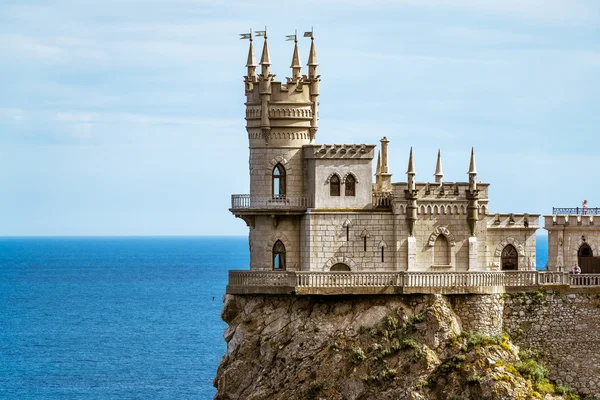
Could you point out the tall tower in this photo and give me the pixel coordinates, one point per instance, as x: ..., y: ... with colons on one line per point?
x: 280, y: 119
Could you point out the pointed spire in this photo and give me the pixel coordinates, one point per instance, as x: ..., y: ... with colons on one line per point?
x: 265, y: 60
x: 411, y: 164
x: 251, y: 62
x: 296, y: 65
x: 439, y: 174
x: 472, y: 169
x: 312, y: 56
x: 378, y: 163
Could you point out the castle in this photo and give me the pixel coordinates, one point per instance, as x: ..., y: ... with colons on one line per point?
x: 313, y: 207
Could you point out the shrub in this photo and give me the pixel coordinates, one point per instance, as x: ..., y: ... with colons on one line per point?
x: 530, y: 369
x: 392, y: 322
x: 314, y: 389
x: 357, y: 355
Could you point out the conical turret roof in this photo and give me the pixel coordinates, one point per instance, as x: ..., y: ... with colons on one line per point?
x: 411, y: 164
x: 438, y: 166
x: 472, y: 169
x: 251, y: 60
x: 312, y: 55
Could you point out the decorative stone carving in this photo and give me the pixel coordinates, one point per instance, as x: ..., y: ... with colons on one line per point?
x: 331, y: 176
x: 512, y: 241
x: 341, y: 260
x: 347, y: 223
x: 441, y: 230
x: 346, y: 176
x: 278, y: 160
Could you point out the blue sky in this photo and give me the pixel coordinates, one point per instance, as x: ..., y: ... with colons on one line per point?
x: 126, y: 117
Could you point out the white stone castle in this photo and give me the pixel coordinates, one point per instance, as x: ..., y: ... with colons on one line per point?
x: 313, y: 207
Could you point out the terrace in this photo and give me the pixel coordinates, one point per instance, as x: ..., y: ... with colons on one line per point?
x: 337, y: 283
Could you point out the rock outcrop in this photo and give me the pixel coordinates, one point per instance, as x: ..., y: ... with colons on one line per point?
x: 374, y: 347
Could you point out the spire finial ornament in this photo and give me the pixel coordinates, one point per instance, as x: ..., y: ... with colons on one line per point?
x: 439, y: 174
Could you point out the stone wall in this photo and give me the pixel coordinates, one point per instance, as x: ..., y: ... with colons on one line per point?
x: 266, y: 232
x: 565, y: 328
x: 327, y: 241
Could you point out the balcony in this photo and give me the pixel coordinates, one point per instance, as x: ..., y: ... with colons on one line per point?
x: 244, y: 203
x: 575, y: 211
x: 335, y: 283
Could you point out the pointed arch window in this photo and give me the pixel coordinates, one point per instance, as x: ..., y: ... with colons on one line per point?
x: 509, y: 259
x: 279, y: 256
x: 350, y: 185
x: 278, y: 181
x: 334, y: 185
x: 441, y: 250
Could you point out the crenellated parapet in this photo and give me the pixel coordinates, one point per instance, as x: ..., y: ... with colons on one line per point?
x: 576, y: 220
x: 513, y: 221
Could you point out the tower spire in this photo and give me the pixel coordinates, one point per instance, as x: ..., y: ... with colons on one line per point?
x: 251, y: 63
x: 439, y: 174
x: 265, y: 60
x: 472, y: 169
x: 412, y: 184
x: 296, y: 65
x: 312, y: 58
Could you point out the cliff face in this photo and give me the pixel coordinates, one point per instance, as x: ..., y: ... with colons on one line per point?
x: 367, y: 347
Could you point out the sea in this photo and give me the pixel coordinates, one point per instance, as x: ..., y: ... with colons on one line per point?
x: 117, y: 317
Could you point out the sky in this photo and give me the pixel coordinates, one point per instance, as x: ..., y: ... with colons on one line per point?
x: 126, y: 117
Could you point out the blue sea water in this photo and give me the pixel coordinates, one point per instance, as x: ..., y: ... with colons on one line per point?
x: 113, y: 318
x: 117, y: 318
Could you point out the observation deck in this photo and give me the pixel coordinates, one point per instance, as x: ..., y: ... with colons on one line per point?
x: 359, y: 283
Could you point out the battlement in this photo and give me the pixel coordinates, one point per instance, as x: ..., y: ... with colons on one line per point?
x: 342, y: 151
x: 442, y: 191
x: 518, y: 221
x: 573, y: 220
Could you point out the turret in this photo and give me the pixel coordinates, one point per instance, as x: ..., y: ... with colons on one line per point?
x: 472, y: 196
x: 314, y: 79
x: 296, y: 66
x: 251, y: 63
x: 472, y: 172
x: 412, y: 184
x: 384, y: 178
x: 411, y: 195
x: 439, y: 174
x: 265, y: 91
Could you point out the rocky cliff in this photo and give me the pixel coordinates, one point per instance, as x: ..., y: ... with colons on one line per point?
x: 376, y: 347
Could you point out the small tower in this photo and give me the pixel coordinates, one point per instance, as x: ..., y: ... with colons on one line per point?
x: 472, y: 212
x: 313, y: 80
x: 439, y: 174
x: 411, y: 195
x: 250, y: 78
x: 296, y: 65
x: 384, y: 178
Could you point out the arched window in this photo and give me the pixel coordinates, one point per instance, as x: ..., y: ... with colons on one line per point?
x: 339, y: 267
x: 334, y: 185
x: 350, y: 185
x: 510, y: 258
x: 278, y: 181
x: 441, y: 251
x: 584, y: 251
x: 279, y: 256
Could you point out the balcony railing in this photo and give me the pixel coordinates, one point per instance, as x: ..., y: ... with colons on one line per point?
x: 307, y: 282
x: 281, y: 202
x: 575, y: 211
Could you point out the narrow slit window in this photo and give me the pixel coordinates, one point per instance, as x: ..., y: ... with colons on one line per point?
x: 347, y: 233
x: 382, y: 254
x: 365, y: 243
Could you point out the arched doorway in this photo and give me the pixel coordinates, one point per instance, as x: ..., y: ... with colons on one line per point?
x: 441, y: 251
x: 339, y: 267
x: 509, y: 259
x: 584, y: 255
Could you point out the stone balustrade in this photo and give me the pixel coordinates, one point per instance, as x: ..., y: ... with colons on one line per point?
x: 308, y: 282
x: 279, y: 202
